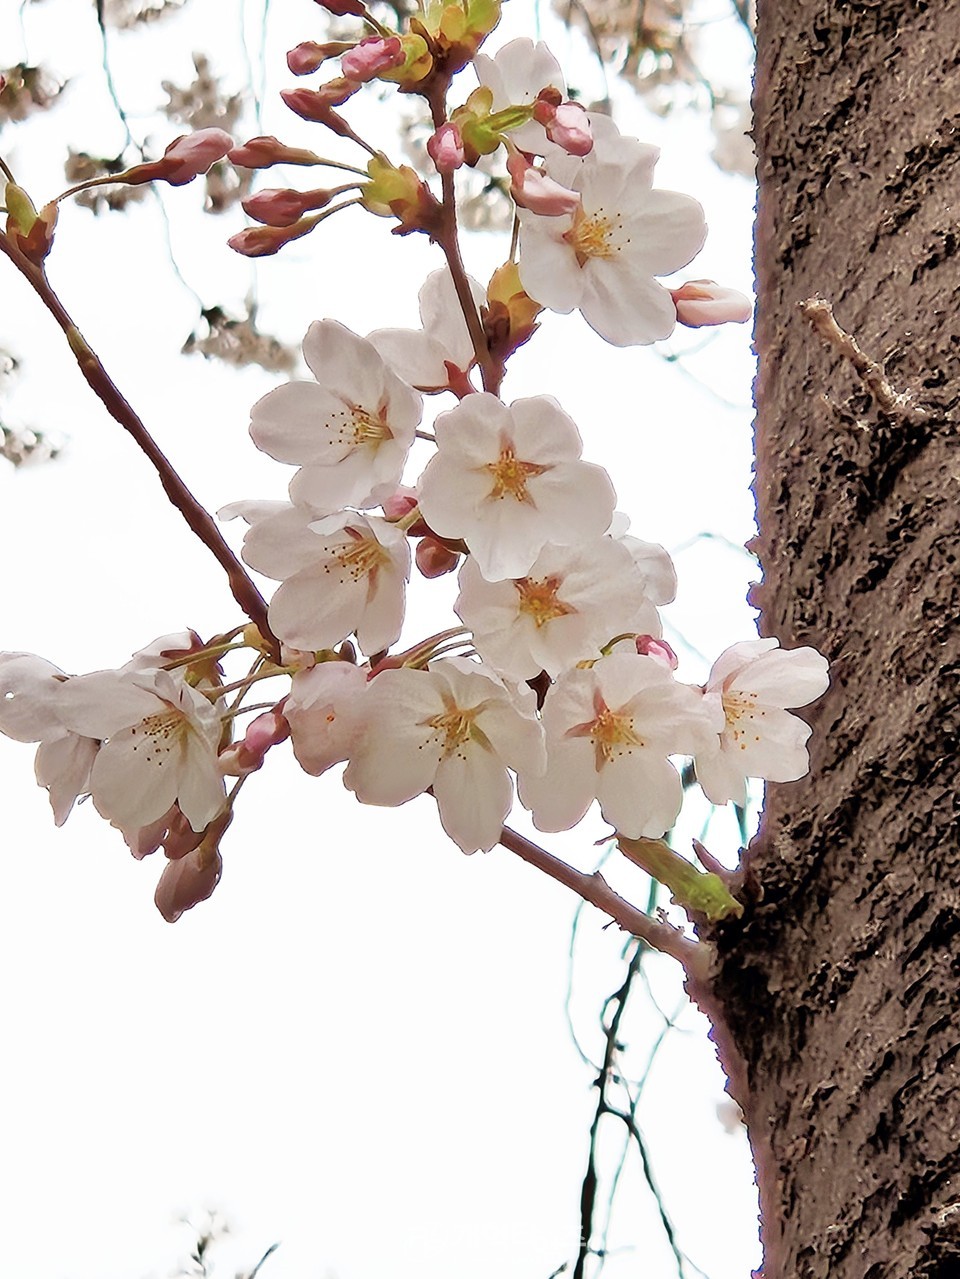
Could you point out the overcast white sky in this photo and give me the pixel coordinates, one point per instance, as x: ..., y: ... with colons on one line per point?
x: 358, y: 1045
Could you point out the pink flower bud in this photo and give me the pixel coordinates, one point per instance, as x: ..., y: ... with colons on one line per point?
x: 703, y: 302
x: 184, y: 159
x: 315, y: 104
x: 281, y: 206
x: 545, y: 107
x: 570, y: 129
x: 185, y: 882
x: 261, y: 241
x: 343, y: 8
x: 658, y: 649
x: 445, y: 148
x: 434, y: 559
x: 533, y: 190
x: 180, y: 838
x: 261, y: 153
x: 248, y: 755
x: 194, y: 153
x: 306, y: 57
x: 400, y: 504
x: 372, y: 56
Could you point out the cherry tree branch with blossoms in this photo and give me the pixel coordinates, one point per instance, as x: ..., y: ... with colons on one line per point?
x: 557, y: 683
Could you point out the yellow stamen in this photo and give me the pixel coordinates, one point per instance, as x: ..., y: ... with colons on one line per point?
x: 611, y: 731
x: 591, y: 235
x: 510, y: 475
x: 538, y: 599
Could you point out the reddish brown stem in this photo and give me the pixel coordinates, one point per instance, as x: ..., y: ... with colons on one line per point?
x: 694, y: 956
x: 491, y: 369
x: 197, y: 517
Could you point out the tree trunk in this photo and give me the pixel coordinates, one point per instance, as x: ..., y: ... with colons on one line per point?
x: 839, y: 989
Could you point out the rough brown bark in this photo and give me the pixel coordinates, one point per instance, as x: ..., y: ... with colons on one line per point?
x: 841, y: 987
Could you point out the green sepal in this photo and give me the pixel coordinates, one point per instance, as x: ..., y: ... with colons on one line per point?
x: 696, y: 890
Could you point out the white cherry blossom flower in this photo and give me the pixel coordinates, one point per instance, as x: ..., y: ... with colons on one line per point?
x: 456, y: 728
x: 609, y: 731
x: 30, y: 690
x: 652, y: 561
x: 603, y: 258
x: 441, y: 353
x: 343, y: 574
x: 573, y: 600
x: 752, y: 683
x: 325, y: 711
x: 349, y: 432
x: 509, y: 480
x: 159, y: 740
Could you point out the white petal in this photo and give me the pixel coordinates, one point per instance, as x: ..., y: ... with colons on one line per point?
x: 344, y: 363
x: 639, y: 793
x: 561, y: 796
x: 474, y: 796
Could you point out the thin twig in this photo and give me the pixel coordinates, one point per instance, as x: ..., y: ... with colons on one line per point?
x: 197, y: 517
x: 694, y: 956
x: 820, y: 314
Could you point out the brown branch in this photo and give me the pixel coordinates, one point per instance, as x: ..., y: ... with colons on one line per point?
x: 695, y: 957
x: 197, y: 517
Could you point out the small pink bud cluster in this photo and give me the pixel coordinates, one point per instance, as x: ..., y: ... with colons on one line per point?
x: 371, y: 57
x: 658, y: 649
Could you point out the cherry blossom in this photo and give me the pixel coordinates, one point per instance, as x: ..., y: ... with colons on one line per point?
x: 441, y: 353
x: 30, y: 691
x: 573, y: 600
x: 454, y: 727
x: 350, y: 431
x: 342, y: 574
x: 159, y: 740
x: 507, y: 480
x: 325, y: 712
x: 752, y: 683
x: 610, y: 729
x: 603, y: 258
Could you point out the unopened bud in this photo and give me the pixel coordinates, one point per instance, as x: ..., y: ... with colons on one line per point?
x: 701, y: 303
x: 193, y: 877
x: 532, y: 189
x: 570, y: 129
x: 445, y: 148
x: 316, y: 104
x: 262, y: 241
x: 434, y: 559
x: 372, y: 56
x: 343, y: 8
x: 246, y: 756
x: 306, y: 57
x: 658, y: 649
x: 263, y: 152
x: 184, y: 159
x: 400, y: 504
x: 281, y: 206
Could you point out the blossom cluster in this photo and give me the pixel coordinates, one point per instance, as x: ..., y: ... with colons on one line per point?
x: 555, y: 683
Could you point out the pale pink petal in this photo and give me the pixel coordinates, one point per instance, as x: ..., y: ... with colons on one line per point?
x: 474, y: 795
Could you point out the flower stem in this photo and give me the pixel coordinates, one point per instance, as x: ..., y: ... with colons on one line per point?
x: 491, y: 369
x: 197, y: 517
